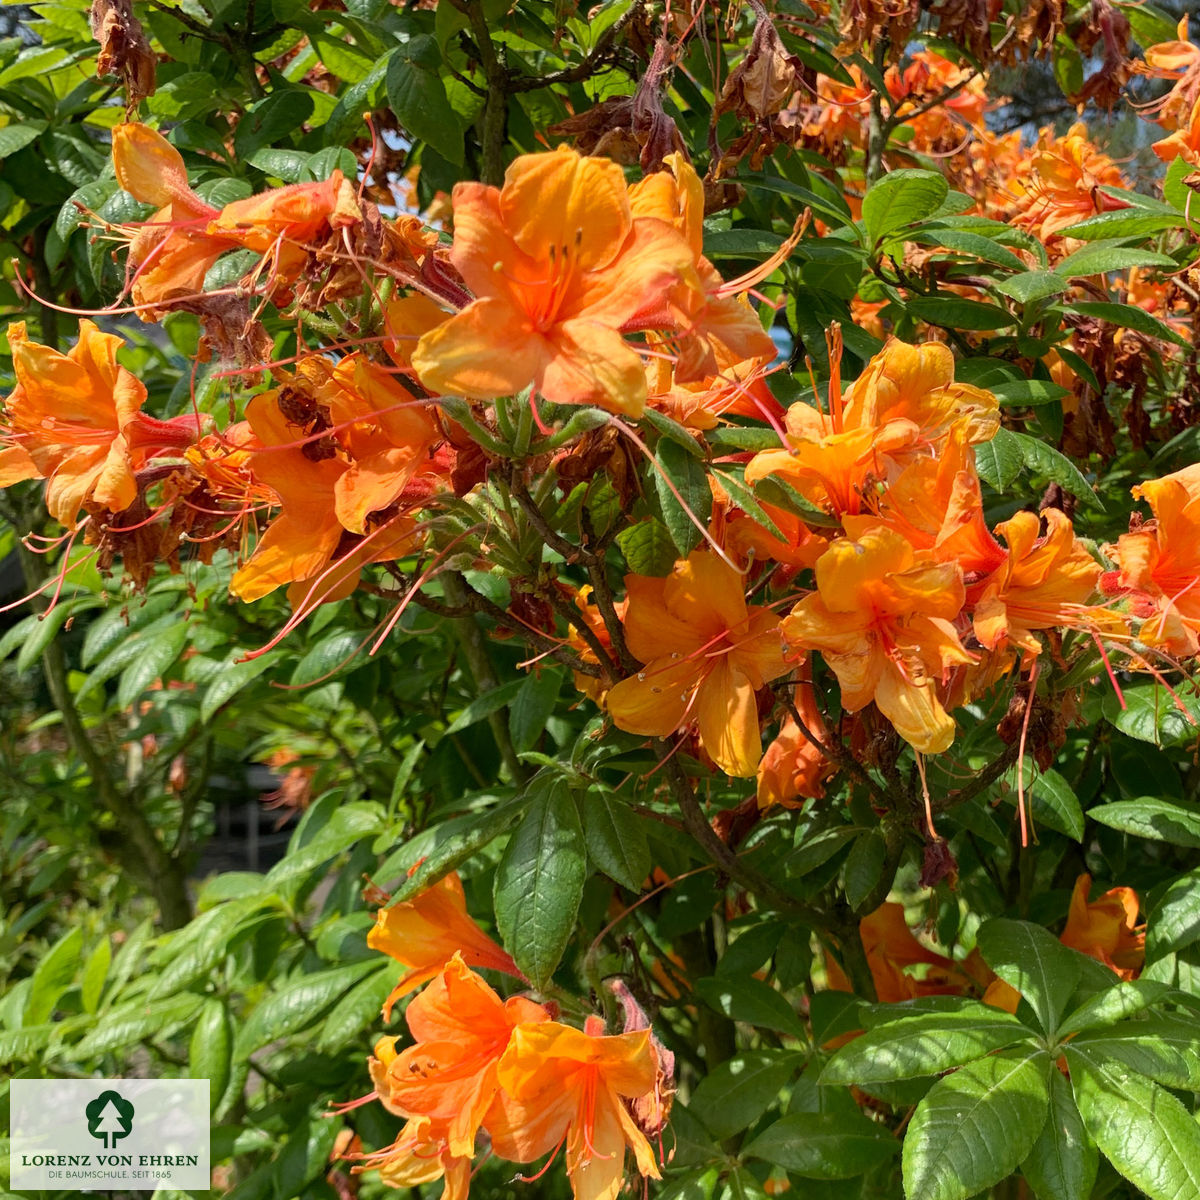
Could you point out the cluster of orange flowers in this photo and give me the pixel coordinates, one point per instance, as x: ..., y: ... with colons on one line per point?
x: 504, y: 1068
x: 917, y: 607
x: 1105, y: 929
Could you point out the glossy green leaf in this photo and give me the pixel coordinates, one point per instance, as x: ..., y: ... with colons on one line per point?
x: 1163, y: 1048
x: 1062, y: 1164
x: 1114, y: 1004
x: 976, y: 1125
x: 1174, y: 921
x: 901, y: 198
x: 648, y: 548
x: 999, y: 461
x: 750, y: 1000
x: 52, y: 976
x: 1046, y: 461
x: 1032, y: 960
x: 825, y: 1146
x: 738, y: 1091
x: 1150, y: 817
x: 684, y: 495
x: 539, y: 882
x: 417, y: 96
x: 1144, y: 1131
x: 210, y: 1048
x: 1101, y: 257
x: 924, y: 1045
x: 297, y: 1005
x: 616, y: 838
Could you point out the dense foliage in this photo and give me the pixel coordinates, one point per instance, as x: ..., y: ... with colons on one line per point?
x: 701, y: 517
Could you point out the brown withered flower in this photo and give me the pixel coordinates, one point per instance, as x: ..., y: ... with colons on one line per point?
x: 124, y: 49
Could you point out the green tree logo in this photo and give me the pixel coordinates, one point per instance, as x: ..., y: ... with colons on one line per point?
x: 109, y: 1117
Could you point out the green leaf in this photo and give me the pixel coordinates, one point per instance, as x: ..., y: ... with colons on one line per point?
x: 924, y: 1045
x: 210, y: 1048
x: 750, y: 1000
x: 439, y: 850
x: 130, y: 1023
x: 777, y: 491
x: 298, y: 1005
x: 288, y: 165
x: 741, y: 243
x: 533, y: 706
x: 483, y: 707
x: 95, y: 972
x: 155, y: 656
x: 616, y: 838
x: 684, y: 495
x: 1033, y: 961
x: 1129, y: 316
x: 1032, y: 286
x: 901, y: 198
x: 1056, y: 805
x: 975, y: 1126
x: 999, y: 461
x: 1163, y: 1048
x: 737, y: 1092
x: 1045, y: 460
x: 234, y: 676
x: 673, y: 431
x: 954, y: 312
x: 1029, y: 391
x: 648, y: 548
x: 1151, y: 714
x: 42, y: 631
x: 1062, y: 1164
x: 18, y: 134
x: 418, y: 97
x: 349, y: 825
x: 825, y: 1146
x: 963, y: 241
x: 745, y: 499
x: 1150, y: 817
x: 864, y: 864
x: 539, y: 882
x: 1174, y: 921
x: 1123, y: 223
x: 1114, y: 1004
x: 356, y: 1010
x: 1101, y: 257
x: 1144, y: 1131
x: 275, y: 118
x: 53, y: 975
x: 196, y: 950
x: 305, y: 1155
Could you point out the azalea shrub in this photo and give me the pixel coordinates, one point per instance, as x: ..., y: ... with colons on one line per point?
x: 700, y: 514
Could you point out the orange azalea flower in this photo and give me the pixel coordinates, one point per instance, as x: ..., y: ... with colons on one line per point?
x: 558, y: 264
x: 1104, y: 929
x: 706, y: 654
x: 1068, y: 173
x: 718, y: 324
x: 1179, y: 61
x: 1160, y: 563
x: 903, y: 405
x: 800, y: 547
x: 1184, y: 142
x: 1045, y: 584
x: 937, y: 505
x: 891, y: 948
x: 739, y: 389
x: 793, y: 769
x: 881, y: 617
x: 283, y: 221
x: 562, y: 1084
x: 388, y: 432
x: 426, y: 932
x: 169, y: 254
x: 461, y: 1028
x: 420, y: 1153
x: 302, y: 540
x: 69, y: 419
